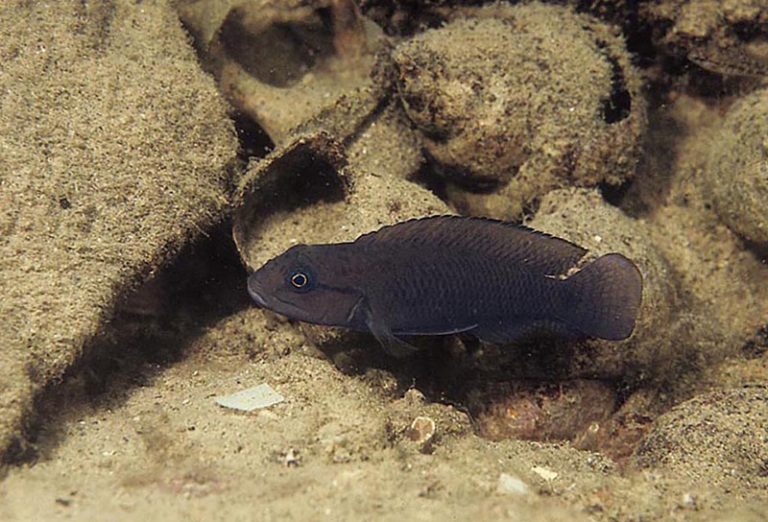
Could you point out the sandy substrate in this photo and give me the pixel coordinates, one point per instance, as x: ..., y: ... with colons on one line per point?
x: 124, y: 310
x: 155, y: 445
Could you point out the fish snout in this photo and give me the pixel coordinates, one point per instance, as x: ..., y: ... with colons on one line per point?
x: 255, y: 291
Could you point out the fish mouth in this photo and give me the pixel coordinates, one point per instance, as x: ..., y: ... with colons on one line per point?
x: 277, y: 305
x: 253, y: 291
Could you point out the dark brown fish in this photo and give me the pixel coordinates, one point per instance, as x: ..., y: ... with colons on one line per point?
x: 445, y: 275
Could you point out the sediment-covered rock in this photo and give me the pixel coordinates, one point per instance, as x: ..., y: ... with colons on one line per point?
x: 536, y: 98
x: 283, y: 62
x: 728, y: 37
x: 716, y: 439
x: 736, y: 174
x: 116, y: 151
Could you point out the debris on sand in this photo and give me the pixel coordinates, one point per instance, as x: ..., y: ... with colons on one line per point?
x: 547, y: 474
x: 422, y: 432
x: 256, y: 398
x: 512, y: 485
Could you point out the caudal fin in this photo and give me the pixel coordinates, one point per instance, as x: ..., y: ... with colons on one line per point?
x: 605, y: 297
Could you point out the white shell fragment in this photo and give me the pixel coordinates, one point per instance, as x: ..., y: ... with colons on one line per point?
x: 422, y: 430
x: 545, y: 473
x: 510, y: 484
x: 258, y: 397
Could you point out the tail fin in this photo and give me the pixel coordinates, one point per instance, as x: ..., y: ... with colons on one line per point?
x: 605, y: 298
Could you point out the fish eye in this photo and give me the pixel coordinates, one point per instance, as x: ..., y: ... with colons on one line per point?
x: 299, y: 280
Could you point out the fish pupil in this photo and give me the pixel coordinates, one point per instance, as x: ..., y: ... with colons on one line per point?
x: 299, y: 280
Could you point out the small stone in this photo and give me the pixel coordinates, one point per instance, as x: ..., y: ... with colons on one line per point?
x: 414, y: 396
x: 291, y: 458
x: 688, y: 501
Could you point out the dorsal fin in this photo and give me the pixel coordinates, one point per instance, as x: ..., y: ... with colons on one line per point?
x: 539, y: 252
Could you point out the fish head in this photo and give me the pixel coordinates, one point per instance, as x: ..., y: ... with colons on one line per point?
x: 311, y: 283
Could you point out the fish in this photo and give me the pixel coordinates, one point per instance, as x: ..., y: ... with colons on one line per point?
x: 441, y: 275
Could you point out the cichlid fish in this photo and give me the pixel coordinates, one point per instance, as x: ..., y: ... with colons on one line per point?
x: 447, y: 274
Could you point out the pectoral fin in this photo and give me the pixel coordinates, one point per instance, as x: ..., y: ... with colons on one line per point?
x: 391, y: 344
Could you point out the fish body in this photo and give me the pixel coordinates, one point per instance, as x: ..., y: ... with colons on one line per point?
x: 447, y: 274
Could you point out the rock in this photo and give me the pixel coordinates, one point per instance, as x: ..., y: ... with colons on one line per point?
x: 618, y: 436
x: 711, y: 34
x: 535, y: 98
x: 716, y: 440
x: 283, y: 62
x: 540, y: 411
x: 736, y: 174
x: 117, y: 151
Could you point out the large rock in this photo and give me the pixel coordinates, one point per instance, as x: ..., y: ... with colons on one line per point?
x: 515, y: 102
x: 115, y: 152
x: 715, y: 440
x: 737, y: 172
